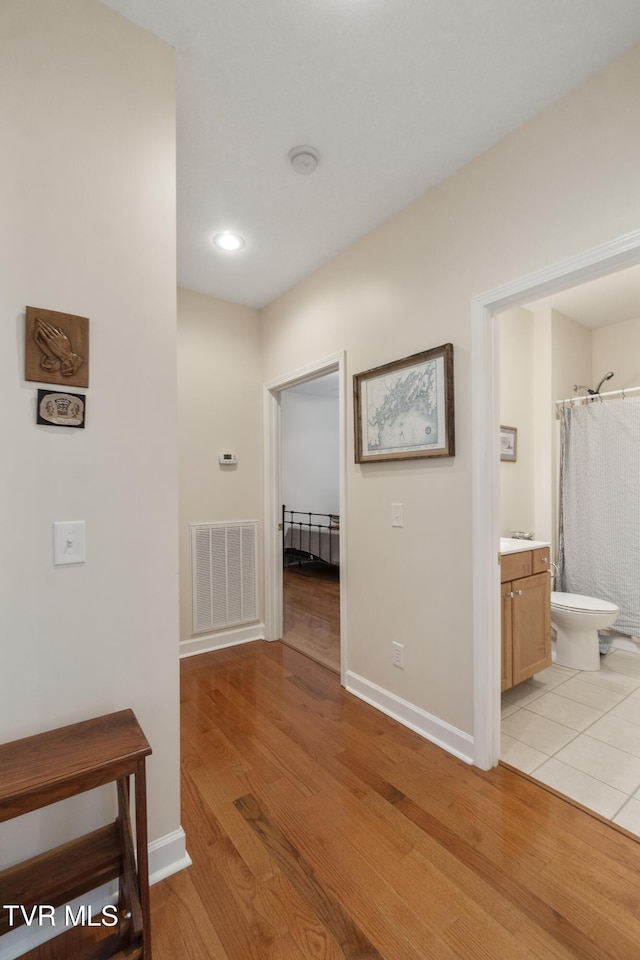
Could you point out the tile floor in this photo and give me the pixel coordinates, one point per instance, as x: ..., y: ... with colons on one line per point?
x: 579, y: 733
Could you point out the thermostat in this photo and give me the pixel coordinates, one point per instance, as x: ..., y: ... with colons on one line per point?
x: 227, y: 457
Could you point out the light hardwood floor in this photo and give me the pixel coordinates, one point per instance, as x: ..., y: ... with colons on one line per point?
x: 311, y: 611
x: 321, y: 829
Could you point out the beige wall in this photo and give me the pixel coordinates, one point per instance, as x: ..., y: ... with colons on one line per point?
x: 408, y: 286
x: 570, y: 365
x: 219, y: 408
x: 543, y: 424
x: 571, y: 355
x: 88, y: 227
x: 542, y: 355
x: 517, y: 409
x: 617, y: 348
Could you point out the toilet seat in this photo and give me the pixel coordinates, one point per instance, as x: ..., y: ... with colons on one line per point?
x: 578, y: 603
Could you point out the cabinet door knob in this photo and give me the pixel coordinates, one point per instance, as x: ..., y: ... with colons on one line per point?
x: 511, y: 594
x: 519, y: 593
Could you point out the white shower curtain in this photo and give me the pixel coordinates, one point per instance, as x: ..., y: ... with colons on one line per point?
x: 599, y: 546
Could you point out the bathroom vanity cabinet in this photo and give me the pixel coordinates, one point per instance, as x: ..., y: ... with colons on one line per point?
x: 526, y: 613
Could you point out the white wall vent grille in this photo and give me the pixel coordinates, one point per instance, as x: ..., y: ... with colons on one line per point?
x: 224, y: 565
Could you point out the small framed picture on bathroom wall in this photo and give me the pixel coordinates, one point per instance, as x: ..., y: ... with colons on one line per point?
x: 508, y: 443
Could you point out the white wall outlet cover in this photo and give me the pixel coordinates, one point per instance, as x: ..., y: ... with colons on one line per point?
x: 69, y: 542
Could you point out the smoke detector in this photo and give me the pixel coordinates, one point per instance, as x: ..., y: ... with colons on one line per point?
x: 304, y: 160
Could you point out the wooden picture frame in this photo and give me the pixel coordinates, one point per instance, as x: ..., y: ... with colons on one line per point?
x: 404, y: 410
x: 509, y: 443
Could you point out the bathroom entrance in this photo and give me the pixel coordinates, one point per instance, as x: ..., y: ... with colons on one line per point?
x: 574, y: 724
x: 597, y: 262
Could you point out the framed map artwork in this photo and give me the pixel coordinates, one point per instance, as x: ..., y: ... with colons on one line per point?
x: 404, y: 410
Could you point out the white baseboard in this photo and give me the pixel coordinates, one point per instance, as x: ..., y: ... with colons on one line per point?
x: 167, y: 855
x: 438, y: 731
x: 217, y: 641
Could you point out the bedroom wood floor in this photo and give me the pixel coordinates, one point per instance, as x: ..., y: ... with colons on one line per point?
x: 311, y: 614
x: 321, y: 829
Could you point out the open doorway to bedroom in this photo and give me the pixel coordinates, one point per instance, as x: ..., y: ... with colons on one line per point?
x: 310, y: 484
x: 274, y: 532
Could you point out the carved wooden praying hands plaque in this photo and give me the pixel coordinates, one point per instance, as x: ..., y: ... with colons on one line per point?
x: 56, y: 347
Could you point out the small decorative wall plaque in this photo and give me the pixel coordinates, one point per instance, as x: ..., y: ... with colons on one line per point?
x: 61, y: 409
x: 509, y: 443
x: 56, y: 348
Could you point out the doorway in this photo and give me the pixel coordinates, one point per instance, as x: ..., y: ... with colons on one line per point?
x: 309, y: 428
x: 274, y: 498
x: 597, y: 262
x: 573, y: 730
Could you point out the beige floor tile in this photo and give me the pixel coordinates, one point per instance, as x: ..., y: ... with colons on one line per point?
x: 506, y: 708
x: 621, y: 661
x: 538, y: 732
x: 554, y: 675
x: 618, y: 682
x: 617, y: 732
x: 629, y: 816
x: 602, y: 761
x: 581, y: 787
x: 584, y: 725
x: 592, y: 695
x: 570, y: 713
x: 629, y: 709
x: 524, y: 693
x: 520, y: 755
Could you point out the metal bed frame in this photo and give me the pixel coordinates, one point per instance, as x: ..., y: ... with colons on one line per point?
x: 309, y: 536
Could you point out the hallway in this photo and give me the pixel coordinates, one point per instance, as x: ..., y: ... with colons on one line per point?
x: 319, y: 827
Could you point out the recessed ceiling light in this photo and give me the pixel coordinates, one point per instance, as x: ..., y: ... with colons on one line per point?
x: 228, y: 241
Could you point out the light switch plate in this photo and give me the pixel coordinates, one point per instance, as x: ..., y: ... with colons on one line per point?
x: 68, y: 542
x: 397, y: 518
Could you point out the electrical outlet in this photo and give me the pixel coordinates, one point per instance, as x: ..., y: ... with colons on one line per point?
x: 397, y: 657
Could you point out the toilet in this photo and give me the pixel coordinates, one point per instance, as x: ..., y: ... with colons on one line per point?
x: 577, y: 619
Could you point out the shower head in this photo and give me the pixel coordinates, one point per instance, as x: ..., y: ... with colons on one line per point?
x: 607, y: 376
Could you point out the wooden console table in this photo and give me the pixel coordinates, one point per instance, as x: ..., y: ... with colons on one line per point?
x: 52, y: 766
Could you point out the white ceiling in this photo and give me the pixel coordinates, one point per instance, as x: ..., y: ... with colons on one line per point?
x: 395, y: 94
x: 598, y: 303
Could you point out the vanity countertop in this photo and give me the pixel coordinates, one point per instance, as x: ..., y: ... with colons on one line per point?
x: 511, y: 545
